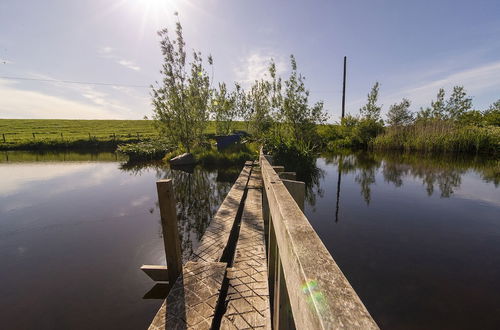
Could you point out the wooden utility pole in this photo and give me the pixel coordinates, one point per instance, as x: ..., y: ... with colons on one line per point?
x: 343, y: 88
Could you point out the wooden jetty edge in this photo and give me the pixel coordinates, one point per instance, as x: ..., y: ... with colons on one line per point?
x: 259, y: 264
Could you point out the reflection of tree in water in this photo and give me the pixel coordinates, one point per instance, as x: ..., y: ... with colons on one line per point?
x: 198, y: 194
x: 364, y: 165
x: 312, y: 179
x: 367, y: 166
x: 309, y: 173
x: 444, y: 171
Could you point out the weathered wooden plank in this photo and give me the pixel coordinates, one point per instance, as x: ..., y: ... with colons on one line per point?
x: 217, y: 234
x: 171, y: 241
x: 320, y: 295
x: 193, y: 298
x: 297, y: 190
x: 156, y: 272
x: 288, y: 175
x: 248, y: 293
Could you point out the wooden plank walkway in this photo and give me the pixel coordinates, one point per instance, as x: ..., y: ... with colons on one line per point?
x: 193, y: 299
x: 216, y: 236
x: 234, y: 281
x: 248, y: 294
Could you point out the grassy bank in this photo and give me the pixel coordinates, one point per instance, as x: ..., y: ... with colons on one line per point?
x: 57, y: 134
x: 440, y: 136
x: 236, y: 154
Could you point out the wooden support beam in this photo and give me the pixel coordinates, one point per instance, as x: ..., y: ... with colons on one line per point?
x: 298, y: 191
x: 279, y: 169
x: 171, y: 241
x: 158, y: 273
x: 288, y: 175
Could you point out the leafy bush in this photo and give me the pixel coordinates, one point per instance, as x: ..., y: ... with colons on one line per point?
x: 146, y: 150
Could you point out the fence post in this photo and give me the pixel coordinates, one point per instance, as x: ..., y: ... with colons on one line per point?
x: 3, y: 137
x: 170, y: 231
x: 33, y: 136
x: 288, y: 175
x: 89, y: 137
x: 114, y: 137
x: 62, y: 137
x: 298, y: 191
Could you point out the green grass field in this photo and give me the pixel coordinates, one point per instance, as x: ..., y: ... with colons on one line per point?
x: 39, y: 133
x: 28, y: 130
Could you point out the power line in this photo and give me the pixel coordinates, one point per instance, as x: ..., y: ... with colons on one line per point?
x: 74, y: 82
x: 117, y: 85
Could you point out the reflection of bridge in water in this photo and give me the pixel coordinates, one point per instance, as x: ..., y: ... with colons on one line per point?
x: 259, y: 264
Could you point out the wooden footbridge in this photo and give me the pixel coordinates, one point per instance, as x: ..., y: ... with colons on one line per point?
x: 259, y: 264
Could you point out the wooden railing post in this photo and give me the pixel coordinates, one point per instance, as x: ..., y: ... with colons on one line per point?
x: 298, y: 191
x: 171, y: 241
x: 271, y: 265
x: 303, y: 277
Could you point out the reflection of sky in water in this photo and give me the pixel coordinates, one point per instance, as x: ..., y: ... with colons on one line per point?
x: 85, y: 228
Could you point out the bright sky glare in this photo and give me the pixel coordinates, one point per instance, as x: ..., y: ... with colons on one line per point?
x: 411, y: 47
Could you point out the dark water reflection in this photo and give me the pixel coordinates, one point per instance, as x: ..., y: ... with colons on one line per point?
x: 417, y: 237
x: 75, y: 228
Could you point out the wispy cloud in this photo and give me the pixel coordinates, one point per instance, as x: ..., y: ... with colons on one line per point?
x: 110, y: 53
x: 254, y: 66
x: 19, y: 103
x: 105, y: 50
x: 66, y: 101
x: 478, y: 80
x: 481, y: 79
x: 129, y: 64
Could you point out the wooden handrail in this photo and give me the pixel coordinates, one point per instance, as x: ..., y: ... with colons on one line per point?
x: 320, y: 296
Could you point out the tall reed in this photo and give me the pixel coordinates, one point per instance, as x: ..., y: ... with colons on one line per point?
x: 440, y: 136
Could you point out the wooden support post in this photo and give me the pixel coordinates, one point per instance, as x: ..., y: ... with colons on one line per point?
x: 89, y: 136
x: 285, y: 310
x: 288, y: 175
x: 265, y: 216
x: 275, y: 307
x: 33, y: 135
x: 272, y: 250
x: 62, y: 137
x: 3, y: 137
x: 171, y: 241
x: 279, y: 169
x: 158, y: 273
x: 269, y: 159
x: 298, y: 191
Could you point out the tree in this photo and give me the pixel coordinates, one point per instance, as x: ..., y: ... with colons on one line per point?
x: 399, y: 114
x: 371, y: 110
x: 181, y: 100
x: 458, y: 103
x: 438, y: 109
x: 495, y: 106
x: 259, y: 107
x: 298, y: 118
x: 223, y: 108
x: 492, y: 115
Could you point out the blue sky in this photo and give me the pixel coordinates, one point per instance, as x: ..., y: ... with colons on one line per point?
x: 411, y: 47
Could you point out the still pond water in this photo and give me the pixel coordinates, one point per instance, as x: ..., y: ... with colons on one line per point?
x: 418, y: 238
